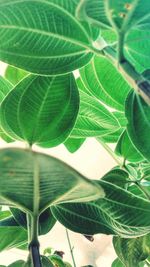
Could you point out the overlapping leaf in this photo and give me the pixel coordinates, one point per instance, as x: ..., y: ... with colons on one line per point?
x: 132, y: 251
x: 11, y: 234
x: 14, y: 75
x: 41, y: 110
x: 73, y: 144
x: 101, y: 79
x: 29, y: 179
x: 119, y: 212
x: 138, y: 116
x: 130, y: 19
x: 93, y: 119
x: 43, y: 37
x: 126, y: 149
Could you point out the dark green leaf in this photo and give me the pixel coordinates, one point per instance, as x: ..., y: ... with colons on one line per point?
x: 41, y: 110
x: 46, y: 220
x: 138, y: 116
x: 28, y: 178
x: 126, y: 149
x: 48, y: 40
x: 132, y: 251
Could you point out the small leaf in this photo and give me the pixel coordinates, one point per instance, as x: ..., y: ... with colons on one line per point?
x: 41, y: 110
x: 132, y: 251
x: 117, y: 263
x: 126, y: 149
x: 15, y: 75
x: 54, y: 182
x: 19, y: 263
x: 138, y: 116
x: 73, y: 144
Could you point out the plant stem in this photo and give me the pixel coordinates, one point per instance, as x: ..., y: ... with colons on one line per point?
x: 109, y: 150
x: 70, y: 247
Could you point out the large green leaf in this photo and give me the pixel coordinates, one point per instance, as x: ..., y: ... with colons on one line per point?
x: 119, y: 212
x: 29, y: 179
x: 138, y: 116
x: 43, y: 37
x: 14, y: 75
x: 93, y: 119
x: 126, y: 149
x: 132, y: 251
x: 101, y: 79
x: 41, y: 110
x: 46, y: 220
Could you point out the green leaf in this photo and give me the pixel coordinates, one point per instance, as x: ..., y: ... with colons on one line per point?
x: 41, y: 110
x: 11, y: 234
x: 127, y: 150
x: 5, y: 88
x: 101, y: 79
x: 57, y: 261
x: 117, y: 177
x: 73, y: 144
x: 132, y: 251
x: 46, y: 262
x: 49, y: 40
x: 19, y: 263
x: 93, y: 12
x: 111, y: 138
x: 93, y: 119
x: 28, y: 178
x: 117, y: 263
x: 118, y: 213
x: 46, y: 220
x: 138, y: 116
x: 15, y: 75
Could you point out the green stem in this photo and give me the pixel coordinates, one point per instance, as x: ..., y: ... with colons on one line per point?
x: 121, y: 57
x: 109, y: 150
x: 146, y: 193
x: 70, y: 247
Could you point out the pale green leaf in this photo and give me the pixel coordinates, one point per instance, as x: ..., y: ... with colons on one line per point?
x: 29, y: 178
x: 41, y: 110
